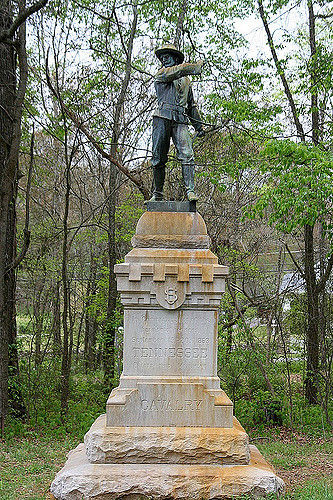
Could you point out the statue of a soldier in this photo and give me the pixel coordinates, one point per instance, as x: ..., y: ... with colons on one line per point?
x: 176, y: 107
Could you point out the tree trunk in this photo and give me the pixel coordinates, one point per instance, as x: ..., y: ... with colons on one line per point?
x: 90, y: 323
x: 108, y: 354
x: 313, y: 74
x: 11, y: 103
x: 66, y: 346
x: 312, y: 332
x: 8, y: 169
x: 312, y: 288
x: 15, y: 397
x: 56, y: 325
x: 38, y: 312
x: 113, y: 185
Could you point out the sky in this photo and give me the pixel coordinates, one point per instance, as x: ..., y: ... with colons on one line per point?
x: 253, y: 30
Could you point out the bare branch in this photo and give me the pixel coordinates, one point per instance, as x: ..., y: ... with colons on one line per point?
x: 93, y: 11
x: 79, y: 125
x: 120, y: 34
x: 250, y: 338
x: 180, y: 24
x: 324, y: 16
x: 281, y: 73
x: 322, y: 282
x: 299, y: 269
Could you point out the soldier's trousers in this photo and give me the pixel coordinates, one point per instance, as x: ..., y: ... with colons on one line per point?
x: 163, y: 131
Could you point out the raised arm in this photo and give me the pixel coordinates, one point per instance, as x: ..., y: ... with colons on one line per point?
x: 172, y: 73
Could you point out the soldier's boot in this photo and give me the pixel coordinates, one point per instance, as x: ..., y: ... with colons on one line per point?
x: 159, y: 176
x: 188, y: 176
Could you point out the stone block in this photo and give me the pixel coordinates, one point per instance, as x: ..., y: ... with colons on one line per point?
x: 81, y: 480
x: 178, y: 343
x: 171, y: 206
x: 169, y: 431
x: 168, y: 405
x: 178, y: 445
x: 169, y: 229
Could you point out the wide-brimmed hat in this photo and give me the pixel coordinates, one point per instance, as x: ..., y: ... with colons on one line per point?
x: 169, y: 49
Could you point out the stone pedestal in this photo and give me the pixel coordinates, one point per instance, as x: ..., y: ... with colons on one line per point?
x: 169, y: 430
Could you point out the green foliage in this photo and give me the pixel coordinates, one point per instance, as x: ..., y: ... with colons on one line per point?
x: 29, y: 464
x: 298, y: 186
x: 261, y: 411
x: 242, y: 350
x: 295, y: 319
x: 98, y: 301
x: 42, y: 395
x: 315, y: 490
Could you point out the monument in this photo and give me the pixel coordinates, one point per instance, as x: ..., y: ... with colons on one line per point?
x: 169, y: 430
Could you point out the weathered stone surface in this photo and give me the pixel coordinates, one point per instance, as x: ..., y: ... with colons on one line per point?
x: 179, y: 343
x: 168, y: 432
x: 174, y: 404
x: 171, y: 230
x: 170, y: 285
x: 170, y: 334
x: 178, y: 445
x: 162, y: 241
x: 174, y: 256
x: 80, y: 480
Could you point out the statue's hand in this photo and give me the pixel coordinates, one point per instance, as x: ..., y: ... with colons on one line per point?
x: 200, y: 64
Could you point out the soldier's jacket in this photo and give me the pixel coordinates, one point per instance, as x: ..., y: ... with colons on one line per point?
x: 175, y: 95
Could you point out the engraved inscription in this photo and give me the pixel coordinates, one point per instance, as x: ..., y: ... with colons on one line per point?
x: 169, y: 342
x: 171, y: 352
x: 159, y: 340
x: 169, y: 405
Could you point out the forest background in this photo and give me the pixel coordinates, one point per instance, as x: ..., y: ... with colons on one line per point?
x: 75, y: 107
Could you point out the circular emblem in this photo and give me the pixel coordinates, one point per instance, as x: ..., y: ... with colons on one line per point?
x: 170, y: 294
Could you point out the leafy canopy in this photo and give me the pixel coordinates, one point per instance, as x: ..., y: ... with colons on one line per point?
x: 298, y: 186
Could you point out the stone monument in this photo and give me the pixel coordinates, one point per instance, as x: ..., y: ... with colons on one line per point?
x: 169, y: 430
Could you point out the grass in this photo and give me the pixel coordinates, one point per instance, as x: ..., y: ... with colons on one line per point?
x: 28, y: 465
x: 305, y: 464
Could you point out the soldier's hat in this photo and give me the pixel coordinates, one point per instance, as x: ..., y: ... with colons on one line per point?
x: 170, y: 49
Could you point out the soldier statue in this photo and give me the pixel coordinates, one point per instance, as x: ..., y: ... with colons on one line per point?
x: 176, y: 107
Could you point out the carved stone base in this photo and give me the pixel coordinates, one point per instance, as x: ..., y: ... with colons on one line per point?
x: 81, y: 480
x: 166, y: 445
x: 174, y: 404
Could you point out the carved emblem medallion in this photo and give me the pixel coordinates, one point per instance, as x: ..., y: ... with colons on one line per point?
x: 170, y: 294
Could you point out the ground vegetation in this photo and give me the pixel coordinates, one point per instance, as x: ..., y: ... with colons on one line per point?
x: 74, y: 150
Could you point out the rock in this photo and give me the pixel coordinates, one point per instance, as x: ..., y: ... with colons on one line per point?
x: 166, y: 445
x: 81, y: 480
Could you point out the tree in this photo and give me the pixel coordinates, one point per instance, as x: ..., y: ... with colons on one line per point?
x: 12, y: 48
x: 298, y: 193
x: 314, y: 83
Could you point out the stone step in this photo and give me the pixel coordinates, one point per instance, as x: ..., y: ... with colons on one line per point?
x: 166, y: 445
x: 175, y: 404
x: 81, y: 479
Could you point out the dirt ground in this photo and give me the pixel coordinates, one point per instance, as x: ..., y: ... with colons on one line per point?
x: 298, y: 459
